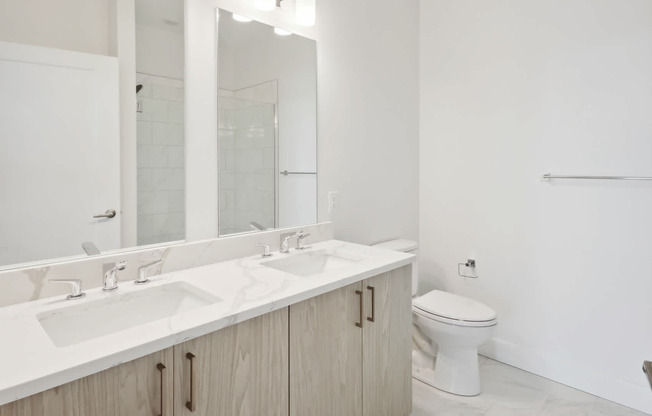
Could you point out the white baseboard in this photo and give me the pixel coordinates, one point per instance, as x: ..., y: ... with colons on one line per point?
x: 628, y: 394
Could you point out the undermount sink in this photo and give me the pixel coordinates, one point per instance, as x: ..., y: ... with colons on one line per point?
x: 313, y: 262
x: 118, y: 311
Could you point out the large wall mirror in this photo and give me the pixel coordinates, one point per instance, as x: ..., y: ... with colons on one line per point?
x: 86, y: 168
x: 93, y: 148
x: 267, y: 114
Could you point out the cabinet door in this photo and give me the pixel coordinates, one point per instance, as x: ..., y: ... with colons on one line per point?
x: 326, y: 355
x: 241, y: 370
x: 133, y: 388
x: 387, y: 344
x: 145, y: 385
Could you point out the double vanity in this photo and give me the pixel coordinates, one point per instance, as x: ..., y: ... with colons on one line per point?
x: 320, y: 331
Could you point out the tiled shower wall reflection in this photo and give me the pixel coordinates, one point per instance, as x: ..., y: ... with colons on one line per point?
x: 161, y: 178
x: 247, y: 137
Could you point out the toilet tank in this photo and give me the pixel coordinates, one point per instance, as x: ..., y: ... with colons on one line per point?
x: 406, y: 246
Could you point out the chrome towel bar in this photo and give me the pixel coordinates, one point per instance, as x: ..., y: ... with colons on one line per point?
x: 549, y: 176
x: 286, y: 173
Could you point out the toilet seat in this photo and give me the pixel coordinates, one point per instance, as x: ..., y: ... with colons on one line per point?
x: 454, y: 309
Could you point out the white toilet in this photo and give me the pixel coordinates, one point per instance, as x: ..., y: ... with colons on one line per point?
x: 455, y: 324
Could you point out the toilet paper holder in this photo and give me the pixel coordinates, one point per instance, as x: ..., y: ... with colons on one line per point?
x: 470, y: 263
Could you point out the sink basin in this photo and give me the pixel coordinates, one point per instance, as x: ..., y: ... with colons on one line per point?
x: 313, y: 262
x: 118, y: 311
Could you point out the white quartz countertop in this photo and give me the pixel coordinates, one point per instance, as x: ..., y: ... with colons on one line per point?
x: 30, y: 362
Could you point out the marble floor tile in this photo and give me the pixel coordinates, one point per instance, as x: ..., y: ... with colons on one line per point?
x: 604, y: 407
x: 557, y: 406
x: 428, y: 401
x: 509, y: 391
x: 511, y: 388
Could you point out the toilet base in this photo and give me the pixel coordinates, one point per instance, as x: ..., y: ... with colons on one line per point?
x: 457, y: 371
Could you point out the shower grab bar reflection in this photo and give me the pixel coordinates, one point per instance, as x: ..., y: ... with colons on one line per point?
x: 549, y: 176
x: 286, y: 173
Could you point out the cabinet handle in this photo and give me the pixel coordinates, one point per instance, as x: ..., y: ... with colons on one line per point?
x: 373, y: 304
x: 359, y: 324
x: 160, y: 367
x: 191, y: 404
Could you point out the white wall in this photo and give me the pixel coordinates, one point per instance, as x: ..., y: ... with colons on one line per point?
x: 159, y: 52
x: 368, y: 117
x: 77, y: 25
x: 514, y: 89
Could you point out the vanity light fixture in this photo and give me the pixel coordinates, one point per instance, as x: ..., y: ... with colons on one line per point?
x: 241, y: 18
x: 281, y: 32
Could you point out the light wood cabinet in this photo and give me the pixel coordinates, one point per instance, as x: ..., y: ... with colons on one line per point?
x: 350, y: 350
x: 132, y: 388
x: 344, y: 353
x: 237, y: 371
x: 326, y: 355
x: 387, y: 345
x: 241, y: 370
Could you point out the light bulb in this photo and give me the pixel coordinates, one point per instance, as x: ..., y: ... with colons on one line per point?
x: 266, y: 5
x: 240, y: 18
x: 281, y: 32
x: 305, y: 12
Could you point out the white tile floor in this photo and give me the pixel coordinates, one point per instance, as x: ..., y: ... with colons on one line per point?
x: 508, y: 391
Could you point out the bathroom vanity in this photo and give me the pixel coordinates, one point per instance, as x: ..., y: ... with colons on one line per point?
x: 325, y: 332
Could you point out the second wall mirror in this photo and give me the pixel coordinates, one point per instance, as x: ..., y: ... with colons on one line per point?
x: 267, y: 115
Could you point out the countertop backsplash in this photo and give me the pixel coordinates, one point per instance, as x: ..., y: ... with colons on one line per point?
x: 31, y: 283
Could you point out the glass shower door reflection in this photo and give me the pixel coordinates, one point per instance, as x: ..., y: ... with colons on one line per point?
x: 247, y: 160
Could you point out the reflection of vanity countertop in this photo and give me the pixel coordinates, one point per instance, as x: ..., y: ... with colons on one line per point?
x: 31, y: 363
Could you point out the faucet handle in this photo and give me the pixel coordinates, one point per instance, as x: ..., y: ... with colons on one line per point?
x: 265, y: 247
x: 119, y: 266
x: 300, y: 237
x: 143, y: 272
x: 285, y: 241
x: 75, y: 287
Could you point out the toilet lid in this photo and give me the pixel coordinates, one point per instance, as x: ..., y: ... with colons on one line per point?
x: 449, y: 305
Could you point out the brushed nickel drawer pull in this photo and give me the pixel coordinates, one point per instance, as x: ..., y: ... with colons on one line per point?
x: 359, y: 324
x: 191, y: 404
x: 373, y: 304
x: 160, y: 367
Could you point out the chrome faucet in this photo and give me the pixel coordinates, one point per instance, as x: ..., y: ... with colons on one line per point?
x: 265, y: 247
x: 145, y: 271
x: 285, y: 241
x: 300, y: 237
x: 75, y: 286
x: 111, y: 277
